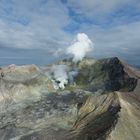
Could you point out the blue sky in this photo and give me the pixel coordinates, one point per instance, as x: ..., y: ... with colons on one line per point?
x: 39, y: 31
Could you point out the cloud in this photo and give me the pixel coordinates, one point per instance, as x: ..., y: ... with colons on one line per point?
x: 33, y: 24
x: 111, y: 42
x: 97, y: 8
x: 81, y: 46
x: 50, y: 25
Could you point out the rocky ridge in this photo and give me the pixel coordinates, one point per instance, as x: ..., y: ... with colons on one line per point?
x: 102, y: 104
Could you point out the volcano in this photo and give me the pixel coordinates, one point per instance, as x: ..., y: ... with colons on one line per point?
x: 101, y: 103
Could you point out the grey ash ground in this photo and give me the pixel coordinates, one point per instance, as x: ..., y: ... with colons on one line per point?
x: 103, y: 103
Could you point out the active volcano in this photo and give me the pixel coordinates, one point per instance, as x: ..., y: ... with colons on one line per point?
x: 84, y: 100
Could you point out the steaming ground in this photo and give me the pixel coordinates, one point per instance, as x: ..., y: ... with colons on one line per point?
x: 83, y: 105
x: 61, y: 75
x: 74, y: 99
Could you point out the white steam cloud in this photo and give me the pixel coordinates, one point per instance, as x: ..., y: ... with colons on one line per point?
x: 81, y: 46
x: 61, y: 75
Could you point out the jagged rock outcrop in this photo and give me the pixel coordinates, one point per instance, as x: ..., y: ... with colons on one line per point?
x: 106, y: 74
x: 102, y: 104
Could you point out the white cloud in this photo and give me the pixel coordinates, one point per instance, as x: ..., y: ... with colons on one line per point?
x: 112, y: 41
x: 44, y: 29
x: 44, y: 20
x: 92, y: 8
x: 81, y: 47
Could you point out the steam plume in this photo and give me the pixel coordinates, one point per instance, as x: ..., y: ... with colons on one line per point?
x: 60, y: 75
x: 81, y: 46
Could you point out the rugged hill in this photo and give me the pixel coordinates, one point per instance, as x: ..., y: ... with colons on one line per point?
x: 101, y: 102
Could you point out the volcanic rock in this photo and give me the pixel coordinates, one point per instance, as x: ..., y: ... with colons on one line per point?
x: 102, y: 104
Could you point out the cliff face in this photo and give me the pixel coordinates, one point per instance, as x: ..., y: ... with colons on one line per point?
x: 106, y: 74
x: 103, y: 103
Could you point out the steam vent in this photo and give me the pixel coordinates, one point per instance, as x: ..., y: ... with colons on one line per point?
x: 84, y: 100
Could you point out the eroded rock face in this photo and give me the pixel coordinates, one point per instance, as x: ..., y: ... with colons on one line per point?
x: 74, y: 115
x: 106, y: 74
x: 31, y: 109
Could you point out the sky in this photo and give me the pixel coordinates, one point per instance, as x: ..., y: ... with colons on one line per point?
x: 39, y: 31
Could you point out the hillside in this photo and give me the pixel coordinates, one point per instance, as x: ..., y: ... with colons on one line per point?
x: 95, y: 100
